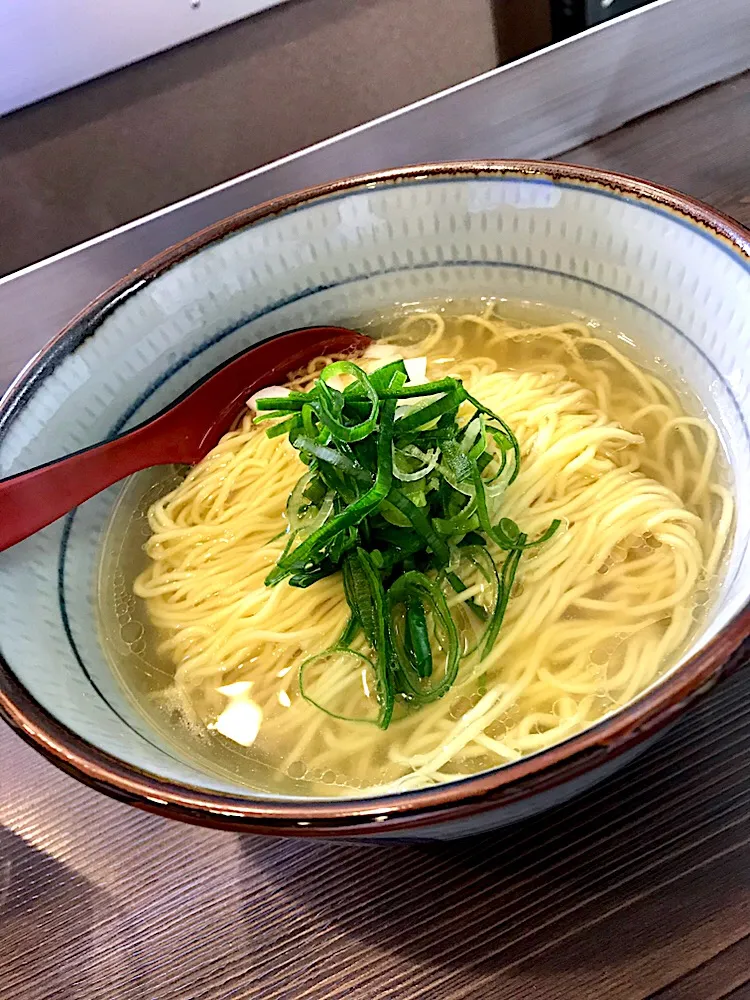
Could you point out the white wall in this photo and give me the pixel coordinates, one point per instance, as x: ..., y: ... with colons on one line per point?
x: 49, y: 45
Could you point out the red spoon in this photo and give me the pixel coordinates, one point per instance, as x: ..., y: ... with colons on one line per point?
x: 181, y: 434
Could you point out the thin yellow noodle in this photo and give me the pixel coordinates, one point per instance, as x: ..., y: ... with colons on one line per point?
x: 596, y: 613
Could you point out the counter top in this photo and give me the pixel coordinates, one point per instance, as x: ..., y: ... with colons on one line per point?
x: 638, y: 889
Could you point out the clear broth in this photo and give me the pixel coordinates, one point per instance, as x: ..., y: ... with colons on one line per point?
x: 131, y: 642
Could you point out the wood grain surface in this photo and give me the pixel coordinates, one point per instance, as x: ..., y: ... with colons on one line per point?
x: 701, y: 146
x: 639, y: 889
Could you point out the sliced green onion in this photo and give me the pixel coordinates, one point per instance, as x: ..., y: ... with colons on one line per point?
x: 353, y: 514
x: 403, y: 501
x: 330, y: 690
x: 302, y: 514
x: 456, y: 467
x: 380, y: 380
x: 285, y: 426
x: 330, y: 413
x: 418, y: 648
x: 465, y: 520
x: 421, y: 525
x: 331, y: 456
x: 466, y: 562
x: 507, y: 576
x: 430, y: 462
x: 448, y: 403
x: 371, y: 610
x: 410, y: 587
x: 545, y: 537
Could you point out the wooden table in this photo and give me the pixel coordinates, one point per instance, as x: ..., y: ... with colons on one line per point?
x: 638, y: 889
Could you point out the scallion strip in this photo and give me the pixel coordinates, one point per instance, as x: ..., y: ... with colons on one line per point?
x: 353, y: 514
x: 366, y: 590
x: 447, y: 403
x: 507, y: 576
x: 391, y: 497
x: 414, y: 586
x: 421, y: 525
x: 418, y: 649
x: 329, y: 414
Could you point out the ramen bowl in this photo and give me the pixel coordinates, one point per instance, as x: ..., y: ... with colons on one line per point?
x: 645, y: 261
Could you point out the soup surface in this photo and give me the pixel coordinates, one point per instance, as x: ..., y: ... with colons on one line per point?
x: 612, y: 446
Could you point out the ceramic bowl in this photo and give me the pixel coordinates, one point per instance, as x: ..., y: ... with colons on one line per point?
x: 650, y: 263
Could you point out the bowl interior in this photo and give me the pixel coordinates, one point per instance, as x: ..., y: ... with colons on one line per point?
x: 645, y: 270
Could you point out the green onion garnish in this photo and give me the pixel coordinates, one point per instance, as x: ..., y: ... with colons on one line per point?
x: 404, y: 503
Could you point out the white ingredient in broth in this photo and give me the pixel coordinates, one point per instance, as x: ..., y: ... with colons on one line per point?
x: 624, y: 459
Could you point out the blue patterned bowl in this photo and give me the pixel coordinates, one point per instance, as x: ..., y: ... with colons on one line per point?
x: 638, y: 257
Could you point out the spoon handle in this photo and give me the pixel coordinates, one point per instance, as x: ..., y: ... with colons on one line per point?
x: 32, y: 500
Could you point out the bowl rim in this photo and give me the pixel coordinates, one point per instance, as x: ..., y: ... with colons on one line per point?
x: 409, y: 810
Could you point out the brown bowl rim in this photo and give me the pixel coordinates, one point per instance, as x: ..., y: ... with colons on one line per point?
x: 412, y: 810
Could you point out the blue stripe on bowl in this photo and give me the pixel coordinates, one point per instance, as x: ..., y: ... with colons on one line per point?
x: 67, y: 528
x: 252, y: 317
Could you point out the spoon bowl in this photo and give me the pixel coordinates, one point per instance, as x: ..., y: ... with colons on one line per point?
x: 183, y: 433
